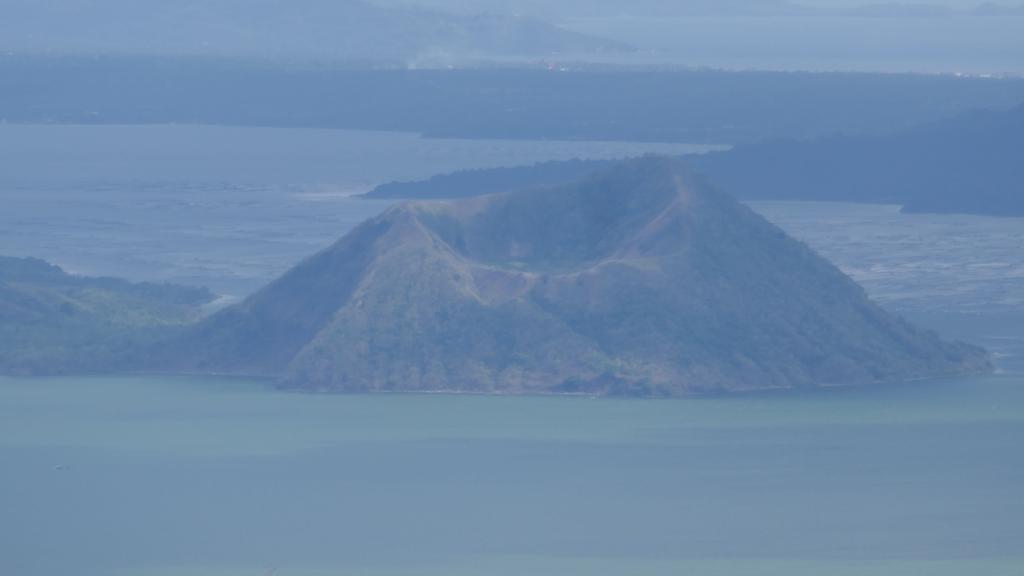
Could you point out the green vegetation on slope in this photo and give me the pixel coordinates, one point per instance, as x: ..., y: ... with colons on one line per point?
x: 53, y: 322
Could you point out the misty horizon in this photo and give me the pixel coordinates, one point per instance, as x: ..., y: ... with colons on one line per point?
x: 937, y: 37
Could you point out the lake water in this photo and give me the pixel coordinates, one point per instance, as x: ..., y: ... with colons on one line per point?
x: 198, y: 476
x: 139, y: 476
x: 148, y: 202
x: 958, y: 274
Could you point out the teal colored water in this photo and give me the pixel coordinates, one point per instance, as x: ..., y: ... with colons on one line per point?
x: 208, y: 476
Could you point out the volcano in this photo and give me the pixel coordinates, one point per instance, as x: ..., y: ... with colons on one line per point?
x: 640, y: 280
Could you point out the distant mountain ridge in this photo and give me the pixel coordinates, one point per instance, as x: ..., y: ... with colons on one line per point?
x: 313, y: 30
x: 692, y: 107
x: 481, y: 182
x: 969, y: 164
x: 638, y: 281
x: 723, y: 8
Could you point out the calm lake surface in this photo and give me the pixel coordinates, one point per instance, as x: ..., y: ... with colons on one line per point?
x: 201, y: 476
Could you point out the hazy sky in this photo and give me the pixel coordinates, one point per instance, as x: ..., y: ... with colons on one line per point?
x: 666, y: 6
x: 758, y: 34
